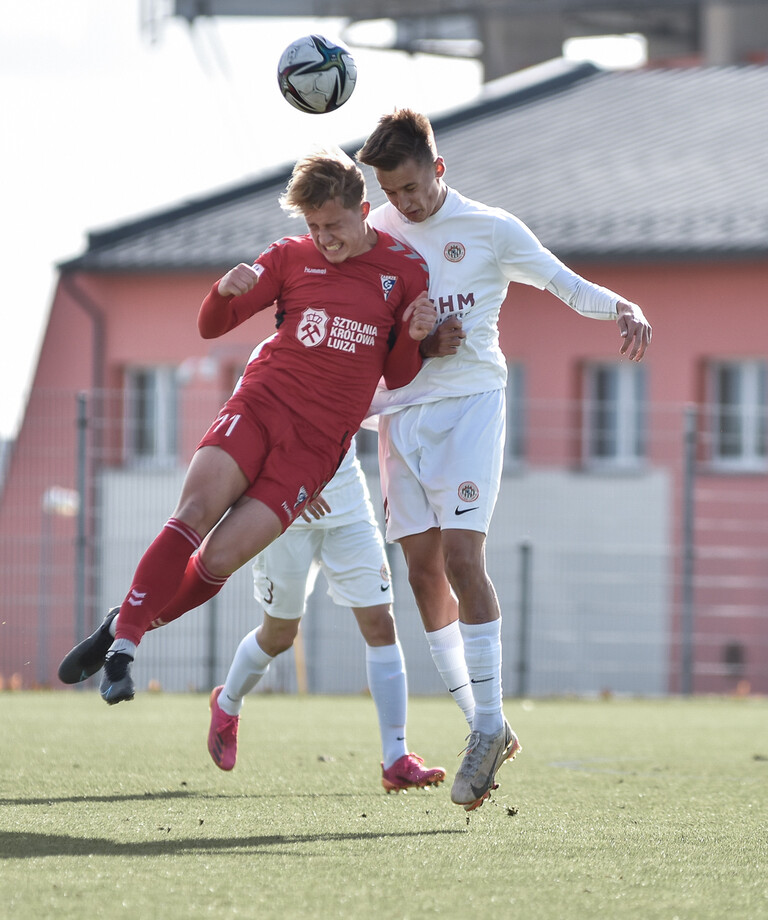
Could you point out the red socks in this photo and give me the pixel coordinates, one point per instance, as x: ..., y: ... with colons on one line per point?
x: 157, y: 579
x: 197, y: 586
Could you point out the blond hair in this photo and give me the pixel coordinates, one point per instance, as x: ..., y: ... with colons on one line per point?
x: 320, y: 177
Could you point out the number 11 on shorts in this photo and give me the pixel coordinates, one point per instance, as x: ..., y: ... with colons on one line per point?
x: 223, y: 419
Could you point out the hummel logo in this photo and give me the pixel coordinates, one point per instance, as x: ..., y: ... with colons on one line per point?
x: 454, y: 689
x: 464, y: 510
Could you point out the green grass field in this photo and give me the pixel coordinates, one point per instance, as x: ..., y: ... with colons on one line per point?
x: 614, y: 809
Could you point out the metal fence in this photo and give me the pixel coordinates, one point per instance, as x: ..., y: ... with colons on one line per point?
x: 642, y: 578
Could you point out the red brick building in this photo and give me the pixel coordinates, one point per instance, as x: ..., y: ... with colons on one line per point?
x: 649, y: 568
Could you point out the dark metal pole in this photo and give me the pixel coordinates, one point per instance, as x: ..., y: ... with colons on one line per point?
x: 44, y: 591
x: 213, y: 644
x: 81, y: 540
x: 525, y: 618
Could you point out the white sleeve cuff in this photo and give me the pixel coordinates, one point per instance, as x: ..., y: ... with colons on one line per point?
x: 583, y: 296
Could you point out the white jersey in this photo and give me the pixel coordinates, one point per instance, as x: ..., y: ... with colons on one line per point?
x: 473, y: 252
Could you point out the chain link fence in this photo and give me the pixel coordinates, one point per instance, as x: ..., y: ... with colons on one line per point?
x: 649, y: 577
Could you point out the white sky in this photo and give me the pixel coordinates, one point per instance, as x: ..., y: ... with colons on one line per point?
x: 100, y: 125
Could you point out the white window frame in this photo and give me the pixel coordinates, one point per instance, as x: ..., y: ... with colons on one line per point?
x: 623, y: 446
x: 745, y: 409
x: 160, y: 427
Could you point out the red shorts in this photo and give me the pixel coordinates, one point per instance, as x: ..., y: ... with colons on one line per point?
x: 286, y: 464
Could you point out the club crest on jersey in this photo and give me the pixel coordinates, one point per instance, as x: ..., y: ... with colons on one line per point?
x: 313, y: 327
x: 454, y: 252
x: 468, y: 492
x: 301, y: 497
x: 387, y: 283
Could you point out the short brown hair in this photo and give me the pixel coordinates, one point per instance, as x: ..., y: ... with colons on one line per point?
x: 322, y: 177
x: 403, y: 135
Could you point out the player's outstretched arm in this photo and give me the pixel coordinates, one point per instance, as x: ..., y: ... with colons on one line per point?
x: 634, y: 329
x: 598, y: 302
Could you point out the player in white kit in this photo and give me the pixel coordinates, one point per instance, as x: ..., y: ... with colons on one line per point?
x: 441, y: 437
x: 345, y: 544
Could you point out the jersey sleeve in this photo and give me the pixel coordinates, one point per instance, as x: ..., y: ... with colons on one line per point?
x: 584, y: 296
x: 219, y: 315
x: 521, y: 255
x: 404, y: 359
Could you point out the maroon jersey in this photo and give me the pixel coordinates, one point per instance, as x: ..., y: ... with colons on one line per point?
x: 339, y: 330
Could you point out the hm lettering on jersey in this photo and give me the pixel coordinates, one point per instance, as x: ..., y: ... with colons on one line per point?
x: 454, y: 305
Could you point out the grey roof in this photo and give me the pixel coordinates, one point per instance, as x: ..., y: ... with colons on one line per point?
x: 626, y: 165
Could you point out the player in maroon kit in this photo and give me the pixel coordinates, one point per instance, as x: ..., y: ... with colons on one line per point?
x: 351, y: 307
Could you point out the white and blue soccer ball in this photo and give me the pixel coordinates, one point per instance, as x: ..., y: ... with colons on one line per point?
x: 316, y: 75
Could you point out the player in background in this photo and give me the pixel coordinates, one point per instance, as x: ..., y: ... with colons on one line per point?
x: 351, y: 306
x: 346, y: 545
x: 441, y: 437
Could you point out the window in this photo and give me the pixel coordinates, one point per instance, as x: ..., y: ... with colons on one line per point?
x: 515, y: 449
x: 150, y: 415
x: 614, y: 414
x: 737, y: 412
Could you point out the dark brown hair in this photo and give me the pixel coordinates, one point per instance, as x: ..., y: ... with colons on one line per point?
x: 403, y: 135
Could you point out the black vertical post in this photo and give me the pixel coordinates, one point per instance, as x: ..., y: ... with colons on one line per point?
x: 213, y: 649
x: 81, y: 539
x: 525, y: 618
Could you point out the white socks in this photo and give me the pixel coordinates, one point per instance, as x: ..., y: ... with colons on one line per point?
x: 386, y: 680
x: 447, y: 648
x: 385, y: 669
x: 482, y: 652
x: 123, y: 646
x: 248, y: 667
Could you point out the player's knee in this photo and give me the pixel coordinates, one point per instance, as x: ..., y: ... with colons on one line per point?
x: 276, y: 637
x: 221, y: 560
x: 464, y: 567
x: 423, y: 581
x: 377, y: 624
x: 192, y: 513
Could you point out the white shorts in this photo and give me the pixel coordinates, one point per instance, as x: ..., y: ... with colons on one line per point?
x: 351, y: 557
x: 441, y: 462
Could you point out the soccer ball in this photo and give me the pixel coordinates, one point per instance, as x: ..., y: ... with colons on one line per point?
x: 316, y: 75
